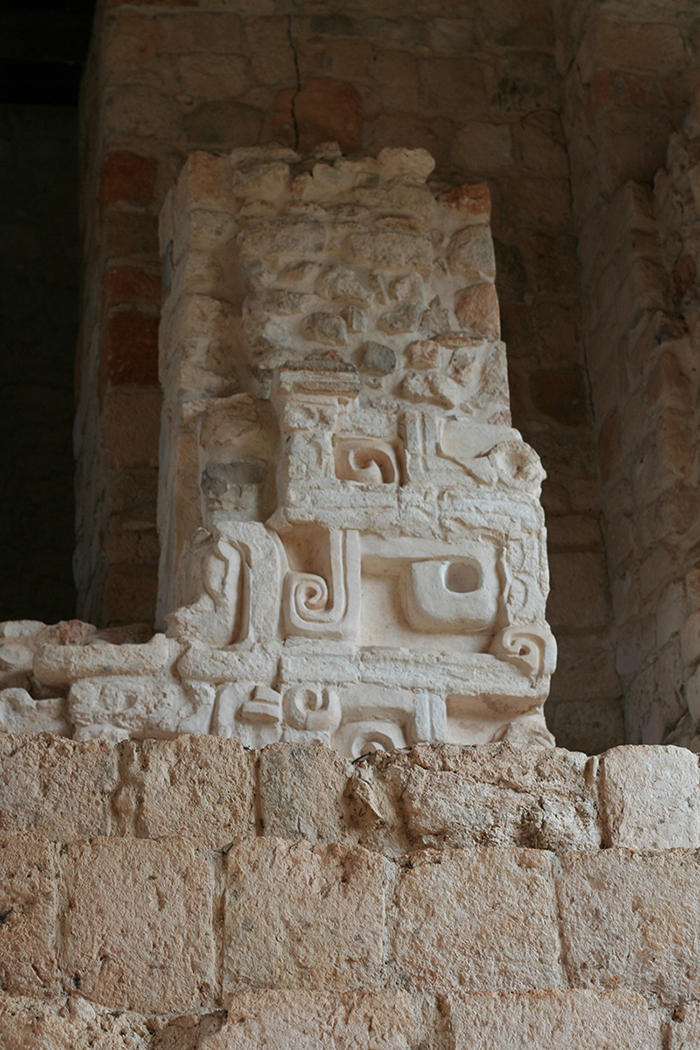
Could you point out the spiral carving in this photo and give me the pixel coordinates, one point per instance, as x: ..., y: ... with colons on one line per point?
x: 373, y: 463
x: 309, y: 593
x: 314, y: 607
x: 532, y: 649
x: 312, y: 708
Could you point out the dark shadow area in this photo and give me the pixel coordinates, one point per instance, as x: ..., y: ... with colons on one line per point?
x: 43, y: 45
x: 38, y: 328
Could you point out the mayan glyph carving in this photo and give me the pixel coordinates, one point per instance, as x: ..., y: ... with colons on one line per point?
x: 352, y: 539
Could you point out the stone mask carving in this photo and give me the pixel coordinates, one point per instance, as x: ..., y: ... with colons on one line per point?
x: 352, y: 539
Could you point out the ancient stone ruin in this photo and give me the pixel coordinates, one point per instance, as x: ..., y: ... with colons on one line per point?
x: 286, y: 780
x: 352, y: 541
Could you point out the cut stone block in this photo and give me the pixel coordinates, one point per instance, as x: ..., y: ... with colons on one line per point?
x: 137, y: 929
x: 302, y: 917
x: 632, y: 919
x: 200, y: 788
x: 552, y: 1020
x: 69, y: 1024
x: 322, y: 1021
x: 301, y: 792
x: 477, y: 919
x: 56, y: 787
x: 650, y: 797
x: 494, y: 795
x: 28, y: 884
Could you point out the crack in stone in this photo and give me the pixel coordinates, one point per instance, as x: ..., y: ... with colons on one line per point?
x: 298, y: 87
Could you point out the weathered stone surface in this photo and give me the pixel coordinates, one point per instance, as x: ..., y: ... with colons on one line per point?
x: 493, y: 795
x: 552, y: 1019
x: 137, y: 928
x: 199, y: 788
x: 632, y: 919
x: 69, y: 1024
x: 471, y: 254
x: 278, y: 1020
x: 301, y: 790
x: 302, y: 917
x: 684, y: 1031
x: 650, y: 797
x: 378, y: 358
x: 28, y: 901
x: 56, y: 787
x: 477, y: 920
x: 477, y: 311
x: 20, y: 713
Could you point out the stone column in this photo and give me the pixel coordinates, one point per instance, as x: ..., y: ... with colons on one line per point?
x: 353, y: 544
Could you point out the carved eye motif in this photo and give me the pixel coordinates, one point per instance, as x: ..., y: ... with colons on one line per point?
x: 373, y: 463
x: 462, y: 577
x: 460, y: 595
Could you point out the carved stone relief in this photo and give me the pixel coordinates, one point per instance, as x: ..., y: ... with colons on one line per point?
x: 352, y: 540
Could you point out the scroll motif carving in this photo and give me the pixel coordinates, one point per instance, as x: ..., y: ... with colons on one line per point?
x: 263, y: 708
x: 531, y: 649
x: 374, y: 463
x: 316, y: 608
x: 314, y: 708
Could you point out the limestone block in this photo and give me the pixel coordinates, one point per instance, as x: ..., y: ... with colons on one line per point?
x: 300, y: 916
x: 632, y: 919
x: 278, y: 1020
x: 477, y: 919
x: 471, y: 254
x: 492, y: 795
x: 684, y: 1031
x: 69, y: 1024
x: 56, y: 787
x: 120, y: 706
x: 650, y: 797
x: 199, y: 788
x: 301, y: 791
x: 137, y: 929
x: 21, y: 713
x: 28, y: 896
x: 553, y: 1020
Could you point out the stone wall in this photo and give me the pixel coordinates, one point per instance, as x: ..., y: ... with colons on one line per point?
x: 193, y: 894
x: 630, y: 73
x: 477, y: 88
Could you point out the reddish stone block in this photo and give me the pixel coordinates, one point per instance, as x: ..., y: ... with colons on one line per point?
x: 130, y: 352
x: 472, y: 198
x: 477, y: 310
x: 323, y: 111
x: 123, y: 284
x: 127, y: 177
x: 560, y: 393
x: 626, y: 90
x: 128, y: 233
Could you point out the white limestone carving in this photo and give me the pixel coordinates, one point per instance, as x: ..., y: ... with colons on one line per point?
x: 353, y: 546
x: 316, y: 608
